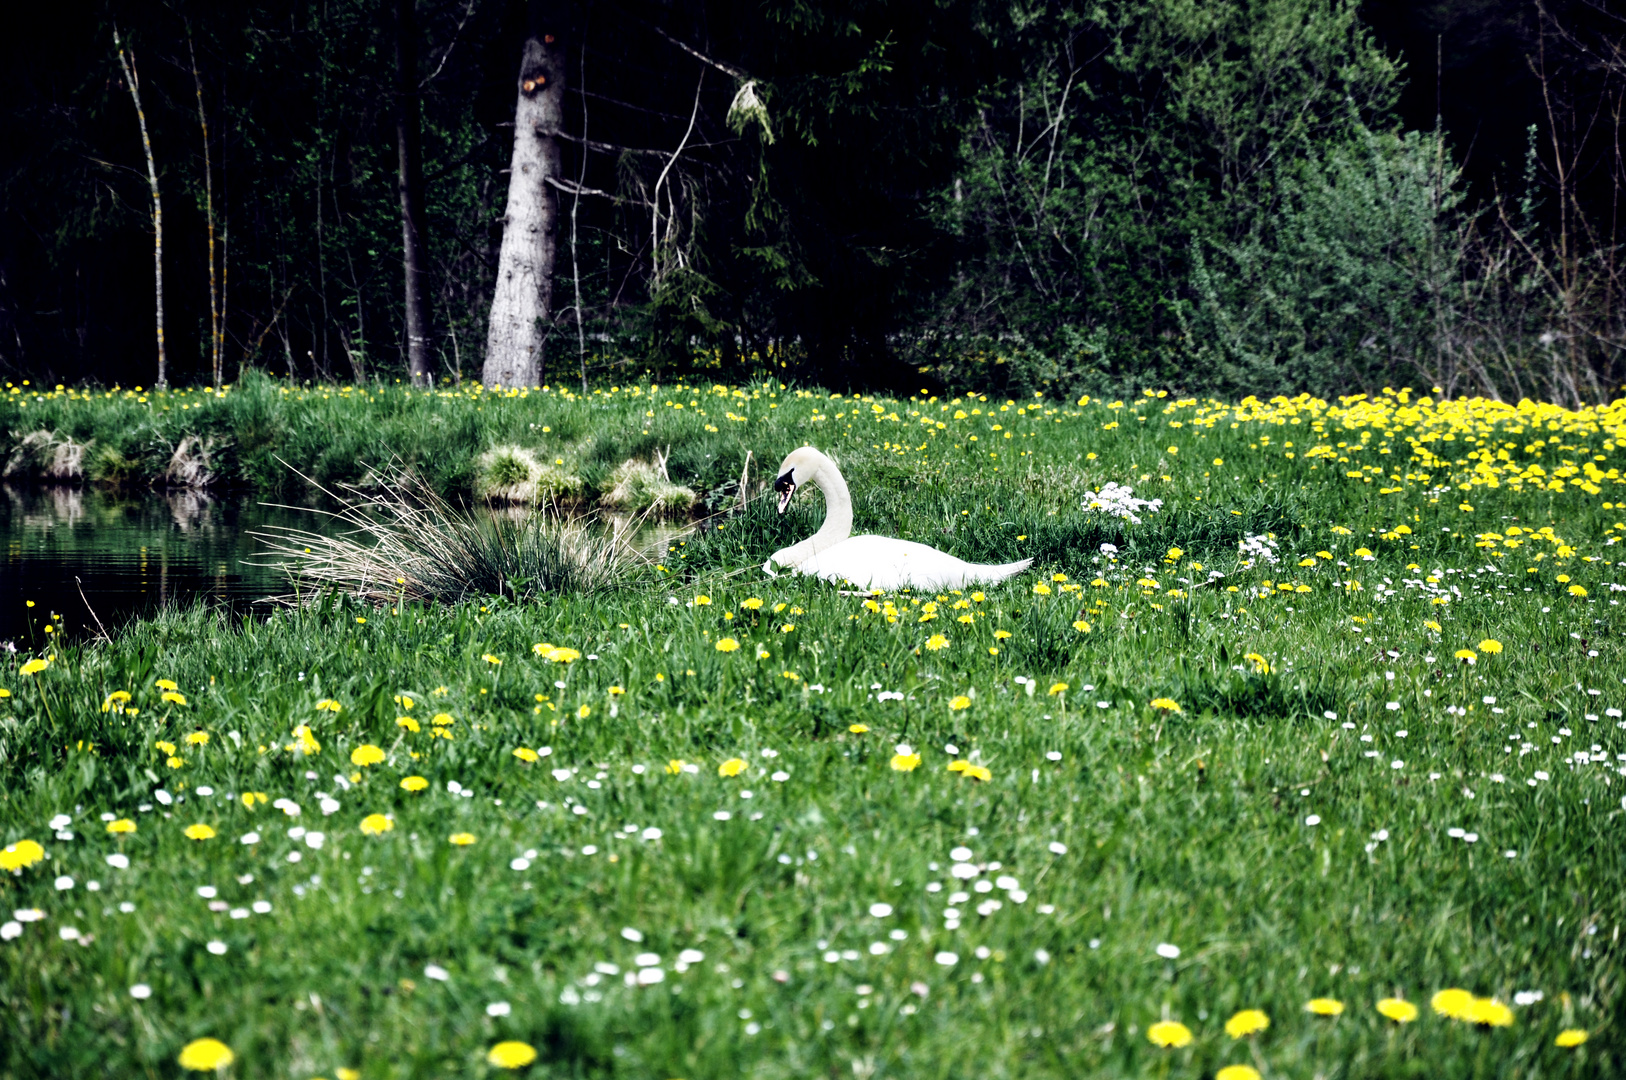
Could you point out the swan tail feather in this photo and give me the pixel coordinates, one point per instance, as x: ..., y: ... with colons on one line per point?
x: 991, y: 574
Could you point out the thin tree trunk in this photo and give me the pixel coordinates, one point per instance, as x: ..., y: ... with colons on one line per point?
x: 128, y: 64
x: 575, y: 205
x: 216, y: 338
x: 408, y: 140
x: 522, y: 301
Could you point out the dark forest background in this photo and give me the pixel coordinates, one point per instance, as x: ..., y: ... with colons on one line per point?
x: 1255, y: 196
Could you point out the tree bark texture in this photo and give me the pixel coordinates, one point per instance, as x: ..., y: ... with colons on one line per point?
x: 217, y: 335
x: 409, y: 144
x: 523, y: 299
x: 128, y: 64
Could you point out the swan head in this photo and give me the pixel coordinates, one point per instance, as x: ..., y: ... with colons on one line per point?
x: 797, y: 469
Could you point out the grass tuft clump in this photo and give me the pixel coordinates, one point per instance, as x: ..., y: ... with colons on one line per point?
x: 645, y: 487
x: 513, y: 474
x: 49, y: 457
x: 401, y: 541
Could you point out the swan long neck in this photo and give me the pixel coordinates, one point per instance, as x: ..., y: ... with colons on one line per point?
x: 838, y: 517
x: 838, y: 508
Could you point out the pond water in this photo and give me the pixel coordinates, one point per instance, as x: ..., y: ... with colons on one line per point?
x: 130, y: 553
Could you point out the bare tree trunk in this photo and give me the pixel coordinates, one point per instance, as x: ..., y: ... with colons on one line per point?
x: 128, y: 64
x: 522, y: 301
x: 408, y: 140
x: 216, y: 336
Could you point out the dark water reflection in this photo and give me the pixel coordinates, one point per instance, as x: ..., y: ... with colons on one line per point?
x: 131, y: 552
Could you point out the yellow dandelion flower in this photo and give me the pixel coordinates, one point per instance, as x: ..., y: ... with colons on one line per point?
x: 1169, y: 1033
x: 727, y: 644
x: 1570, y: 1037
x: 675, y: 766
x: 175, y: 762
x: 1466, y: 655
x: 511, y: 1055
x: 461, y: 839
x: 1452, y: 1003
x: 35, y: 666
x: 1081, y: 626
x: 584, y: 712
x: 1261, y: 666
x: 732, y: 767
x: 198, y: 738
x: 1246, y: 1022
x: 977, y: 772
x: 617, y: 691
x: 413, y: 783
x: 122, y: 825
x: 1490, y: 646
x: 173, y: 697
x: 171, y: 684
x: 905, y: 762
x: 1324, y: 1006
x: 936, y: 642
x: 1166, y: 704
x: 1576, y: 590
x: 959, y: 703
x: 328, y: 705
x: 1041, y: 589
x: 702, y: 600
x: 525, y: 753
x: 408, y: 723
x: 199, y: 831
x: 1398, y: 1010
x: 365, y: 755
x: 858, y: 729
x: 494, y: 661
x: 1058, y: 688
x: 751, y: 603
x: 205, y: 1055
x: 164, y: 745
x: 442, y: 720
x: 376, y: 825
x: 22, y: 854
x: 1490, y: 1012
x: 1237, y: 1072
x: 1434, y: 626
x: 1001, y: 635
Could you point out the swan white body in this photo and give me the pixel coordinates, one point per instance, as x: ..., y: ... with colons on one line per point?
x: 866, y: 562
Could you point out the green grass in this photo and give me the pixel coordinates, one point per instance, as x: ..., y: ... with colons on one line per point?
x: 1186, y: 828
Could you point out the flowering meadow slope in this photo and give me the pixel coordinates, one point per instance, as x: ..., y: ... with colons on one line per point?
x: 1319, y: 768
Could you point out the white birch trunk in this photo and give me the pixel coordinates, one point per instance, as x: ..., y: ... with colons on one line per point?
x: 134, y: 84
x: 522, y: 302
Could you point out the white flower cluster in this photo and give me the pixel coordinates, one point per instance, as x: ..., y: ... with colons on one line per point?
x: 1120, y: 502
x: 1258, y: 549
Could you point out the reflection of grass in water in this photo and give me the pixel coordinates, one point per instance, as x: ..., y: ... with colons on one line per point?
x: 403, y: 542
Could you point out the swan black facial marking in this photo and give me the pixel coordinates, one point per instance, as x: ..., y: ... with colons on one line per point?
x: 786, y: 486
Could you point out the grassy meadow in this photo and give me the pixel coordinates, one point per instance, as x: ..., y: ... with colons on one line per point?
x: 1336, y: 729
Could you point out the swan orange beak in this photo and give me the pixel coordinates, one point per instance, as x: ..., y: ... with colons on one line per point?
x: 786, y: 486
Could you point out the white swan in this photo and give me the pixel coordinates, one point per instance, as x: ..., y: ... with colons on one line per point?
x: 865, y: 562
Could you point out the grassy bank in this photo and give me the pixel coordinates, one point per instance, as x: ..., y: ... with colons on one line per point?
x: 1386, y: 764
